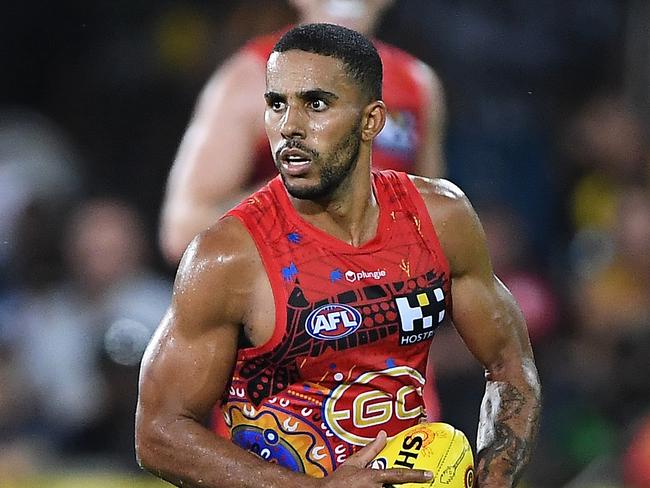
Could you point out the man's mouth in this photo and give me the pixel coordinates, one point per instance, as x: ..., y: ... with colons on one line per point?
x: 295, y: 162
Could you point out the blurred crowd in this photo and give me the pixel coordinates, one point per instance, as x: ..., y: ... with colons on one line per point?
x: 547, y: 133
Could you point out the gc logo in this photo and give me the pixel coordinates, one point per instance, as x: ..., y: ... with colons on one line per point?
x: 356, y: 412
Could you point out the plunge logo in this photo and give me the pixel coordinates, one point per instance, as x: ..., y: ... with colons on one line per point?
x: 353, y: 276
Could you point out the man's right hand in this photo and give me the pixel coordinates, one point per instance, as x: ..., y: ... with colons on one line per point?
x: 354, y: 472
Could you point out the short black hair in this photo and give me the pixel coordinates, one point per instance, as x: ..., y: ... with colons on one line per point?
x: 358, y: 54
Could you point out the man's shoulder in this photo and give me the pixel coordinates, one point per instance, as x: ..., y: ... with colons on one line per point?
x: 213, y: 283
x: 454, y: 219
x: 225, y: 248
x: 439, y: 190
x: 444, y: 200
x: 432, y: 190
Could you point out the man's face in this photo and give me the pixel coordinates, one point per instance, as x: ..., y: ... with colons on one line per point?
x: 312, y: 118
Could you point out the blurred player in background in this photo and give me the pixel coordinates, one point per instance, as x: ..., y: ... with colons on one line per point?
x: 224, y: 154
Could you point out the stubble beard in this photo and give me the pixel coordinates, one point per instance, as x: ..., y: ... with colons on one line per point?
x: 334, y: 170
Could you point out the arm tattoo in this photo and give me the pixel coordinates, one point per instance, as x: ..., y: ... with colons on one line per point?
x: 509, y: 422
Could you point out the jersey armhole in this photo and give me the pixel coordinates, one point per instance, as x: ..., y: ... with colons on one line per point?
x: 273, y: 273
x: 427, y: 229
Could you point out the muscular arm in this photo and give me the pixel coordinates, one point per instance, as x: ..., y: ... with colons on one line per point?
x: 493, y: 328
x: 430, y: 159
x: 214, y: 159
x: 187, y: 365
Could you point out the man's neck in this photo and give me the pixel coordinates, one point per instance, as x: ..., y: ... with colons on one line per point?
x: 351, y: 214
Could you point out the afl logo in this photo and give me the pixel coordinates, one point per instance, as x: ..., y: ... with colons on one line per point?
x: 332, y: 321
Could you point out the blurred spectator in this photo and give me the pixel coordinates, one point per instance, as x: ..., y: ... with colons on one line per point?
x: 37, y: 162
x: 614, y: 312
x: 606, y: 142
x: 69, y: 335
x: 599, y: 386
x: 603, y: 339
x: 606, y: 147
x: 615, y: 298
x: 18, y: 457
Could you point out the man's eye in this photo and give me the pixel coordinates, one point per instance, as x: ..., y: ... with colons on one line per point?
x: 317, y: 105
x: 277, y: 106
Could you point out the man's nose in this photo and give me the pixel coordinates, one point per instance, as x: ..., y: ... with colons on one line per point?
x: 293, y: 124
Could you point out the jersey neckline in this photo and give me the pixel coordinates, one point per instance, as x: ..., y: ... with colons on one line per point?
x: 327, y: 239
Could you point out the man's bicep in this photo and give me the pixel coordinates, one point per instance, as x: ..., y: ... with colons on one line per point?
x: 484, y: 312
x: 489, y: 321
x: 189, y: 360
x: 186, y: 369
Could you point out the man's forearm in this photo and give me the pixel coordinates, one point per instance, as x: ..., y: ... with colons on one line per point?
x: 507, y: 429
x: 186, y: 454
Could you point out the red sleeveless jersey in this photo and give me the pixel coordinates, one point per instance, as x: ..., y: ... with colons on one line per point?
x: 353, y: 327
x: 397, y: 144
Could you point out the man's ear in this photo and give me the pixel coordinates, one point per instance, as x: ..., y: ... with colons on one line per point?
x: 374, y: 118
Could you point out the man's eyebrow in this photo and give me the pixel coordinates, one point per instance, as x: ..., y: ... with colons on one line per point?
x: 271, y: 95
x: 317, y: 94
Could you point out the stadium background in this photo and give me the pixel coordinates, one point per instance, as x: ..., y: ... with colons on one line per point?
x: 548, y: 133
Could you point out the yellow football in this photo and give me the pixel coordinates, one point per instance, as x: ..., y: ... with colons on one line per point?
x: 436, y: 447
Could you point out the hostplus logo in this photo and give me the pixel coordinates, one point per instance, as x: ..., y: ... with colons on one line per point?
x: 353, y: 276
x: 420, y: 314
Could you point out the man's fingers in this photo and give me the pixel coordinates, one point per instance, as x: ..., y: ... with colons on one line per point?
x: 368, y: 453
x: 402, y: 475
